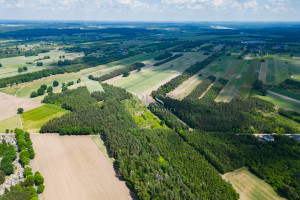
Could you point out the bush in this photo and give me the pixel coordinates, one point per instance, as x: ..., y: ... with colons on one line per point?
x: 32, y: 192
x: 55, y: 83
x: 29, y: 180
x: 20, y: 110
x: 39, y: 64
x: 7, y: 131
x: 40, y: 188
x: 41, y: 91
x: 44, y: 86
x: 2, y: 176
x: 49, y: 89
x: 33, y: 94
x: 38, y: 178
x: 7, y: 165
x: 28, y: 171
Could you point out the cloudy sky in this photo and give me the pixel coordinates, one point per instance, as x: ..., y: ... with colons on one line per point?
x: 151, y: 10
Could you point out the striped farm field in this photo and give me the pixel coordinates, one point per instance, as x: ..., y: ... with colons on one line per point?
x: 93, y: 86
x: 148, y: 78
x: 34, y: 119
x: 263, y: 72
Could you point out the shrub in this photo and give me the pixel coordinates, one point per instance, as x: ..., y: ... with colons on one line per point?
x: 2, y: 176
x: 40, y: 188
x: 20, y: 110
x: 49, y: 89
x: 33, y: 94
x: 29, y: 180
x: 28, y: 171
x: 6, y: 165
x: 41, y: 91
x: 55, y: 83
x: 38, y: 178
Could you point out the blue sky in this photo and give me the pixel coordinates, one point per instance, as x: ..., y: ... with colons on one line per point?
x: 151, y: 10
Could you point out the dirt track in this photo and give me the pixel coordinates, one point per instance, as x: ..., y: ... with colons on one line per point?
x: 75, y: 169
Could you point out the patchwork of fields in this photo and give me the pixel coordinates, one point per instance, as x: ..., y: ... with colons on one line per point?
x: 152, y: 77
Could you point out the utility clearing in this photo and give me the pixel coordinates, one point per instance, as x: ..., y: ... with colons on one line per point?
x: 75, y: 169
x: 249, y: 186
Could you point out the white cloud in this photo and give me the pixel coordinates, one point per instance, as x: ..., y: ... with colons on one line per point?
x: 251, y: 4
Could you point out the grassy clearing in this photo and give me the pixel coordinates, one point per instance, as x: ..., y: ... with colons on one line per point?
x: 143, y: 117
x: 93, y: 86
x: 221, y: 67
x: 34, y: 119
x: 250, y: 187
x: 100, y: 144
x: 10, y: 123
x: 280, y: 102
x: 147, y: 78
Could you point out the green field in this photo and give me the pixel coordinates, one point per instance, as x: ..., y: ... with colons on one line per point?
x: 250, y: 187
x: 11, y: 65
x: 10, y: 123
x: 93, y: 86
x: 147, y: 78
x: 34, y: 119
x: 281, y: 102
x: 286, y: 93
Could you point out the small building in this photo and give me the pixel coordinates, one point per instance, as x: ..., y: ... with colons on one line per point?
x: 297, y: 137
x: 268, y: 138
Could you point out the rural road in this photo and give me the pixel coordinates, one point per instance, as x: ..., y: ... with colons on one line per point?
x: 285, y: 97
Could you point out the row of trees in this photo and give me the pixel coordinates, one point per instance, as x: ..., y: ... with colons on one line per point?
x: 168, y: 59
x: 22, y: 78
x: 25, y: 148
x: 41, y: 91
x: 125, y: 71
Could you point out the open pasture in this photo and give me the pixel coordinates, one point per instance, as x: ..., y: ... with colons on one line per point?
x: 34, y: 119
x: 250, y: 187
x: 148, y: 78
x: 83, y: 170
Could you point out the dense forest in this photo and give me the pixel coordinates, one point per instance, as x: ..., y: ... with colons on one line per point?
x: 147, y: 160
x: 278, y: 162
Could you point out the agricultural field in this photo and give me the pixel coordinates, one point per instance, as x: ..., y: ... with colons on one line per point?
x: 152, y: 77
x: 92, y: 86
x: 83, y: 170
x: 11, y: 65
x: 34, y: 119
x: 10, y: 123
x: 9, y: 105
x: 250, y: 187
x: 280, y: 102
